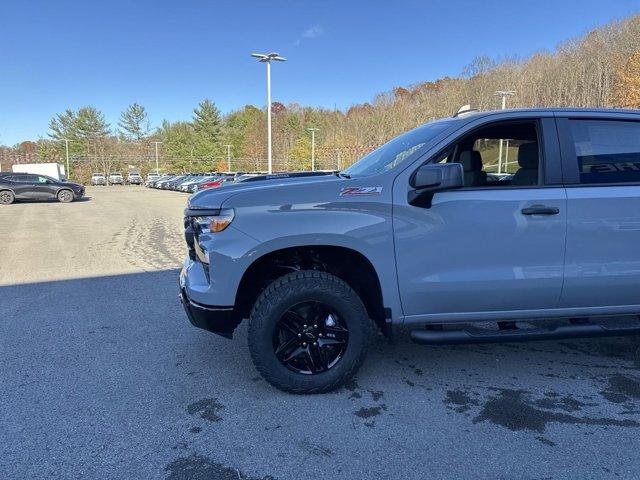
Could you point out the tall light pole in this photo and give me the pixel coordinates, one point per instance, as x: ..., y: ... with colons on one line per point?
x: 228, y: 157
x: 267, y: 58
x: 157, y: 168
x: 313, y: 147
x: 504, y: 94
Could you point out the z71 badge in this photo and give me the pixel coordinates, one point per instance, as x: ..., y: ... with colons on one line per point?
x: 360, y: 191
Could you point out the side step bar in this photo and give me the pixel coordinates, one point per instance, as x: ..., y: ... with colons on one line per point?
x: 455, y: 337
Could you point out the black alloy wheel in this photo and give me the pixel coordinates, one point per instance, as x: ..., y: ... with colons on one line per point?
x: 310, y: 338
x: 308, y: 332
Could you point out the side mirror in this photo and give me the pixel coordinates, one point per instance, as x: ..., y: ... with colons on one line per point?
x: 433, y: 178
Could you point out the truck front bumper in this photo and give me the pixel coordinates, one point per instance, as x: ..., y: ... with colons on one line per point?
x: 214, y: 319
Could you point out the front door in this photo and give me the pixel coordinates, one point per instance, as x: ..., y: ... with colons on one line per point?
x: 44, y: 188
x: 496, y: 245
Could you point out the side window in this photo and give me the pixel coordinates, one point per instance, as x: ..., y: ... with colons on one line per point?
x: 40, y: 179
x: 608, y: 151
x: 23, y: 178
x: 444, y: 157
x: 500, y: 155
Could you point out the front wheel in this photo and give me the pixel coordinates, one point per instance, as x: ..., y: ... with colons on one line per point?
x: 65, y: 196
x: 308, y: 332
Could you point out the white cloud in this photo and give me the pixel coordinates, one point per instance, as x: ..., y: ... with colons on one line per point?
x: 313, y: 32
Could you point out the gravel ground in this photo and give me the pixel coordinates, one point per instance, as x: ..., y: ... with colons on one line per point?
x: 102, y: 376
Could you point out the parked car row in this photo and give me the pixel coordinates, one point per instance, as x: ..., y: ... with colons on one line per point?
x: 195, y: 182
x: 116, y: 178
x: 191, y: 182
x: 27, y: 186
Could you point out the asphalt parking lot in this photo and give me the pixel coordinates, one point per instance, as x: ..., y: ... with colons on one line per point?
x: 103, y: 377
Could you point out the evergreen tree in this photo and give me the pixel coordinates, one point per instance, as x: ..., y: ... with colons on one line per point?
x: 134, y: 123
x: 90, y: 124
x: 63, y: 125
x: 207, y: 126
x: 82, y: 128
x: 178, y: 144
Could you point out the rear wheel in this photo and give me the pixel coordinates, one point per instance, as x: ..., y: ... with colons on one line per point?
x: 7, y: 197
x: 65, y: 196
x: 308, y: 332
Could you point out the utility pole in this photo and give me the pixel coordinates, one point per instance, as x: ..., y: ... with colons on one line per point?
x: 157, y: 168
x: 266, y: 58
x: 504, y: 94
x: 66, y: 149
x: 228, y: 157
x: 313, y: 147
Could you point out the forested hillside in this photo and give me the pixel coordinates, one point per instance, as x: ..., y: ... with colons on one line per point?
x: 600, y: 69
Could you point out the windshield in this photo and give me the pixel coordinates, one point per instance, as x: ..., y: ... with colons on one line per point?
x: 397, y: 150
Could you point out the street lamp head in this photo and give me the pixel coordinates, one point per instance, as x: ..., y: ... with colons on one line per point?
x: 503, y: 93
x: 267, y: 57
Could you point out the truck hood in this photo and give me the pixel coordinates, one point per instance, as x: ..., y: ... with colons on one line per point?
x: 215, y: 197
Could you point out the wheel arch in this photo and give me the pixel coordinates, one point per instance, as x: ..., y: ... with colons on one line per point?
x: 62, y: 189
x: 348, y: 264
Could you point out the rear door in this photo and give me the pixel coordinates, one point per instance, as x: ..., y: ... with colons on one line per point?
x: 601, y: 167
x: 24, y: 186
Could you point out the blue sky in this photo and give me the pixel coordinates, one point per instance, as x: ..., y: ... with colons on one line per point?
x: 168, y: 55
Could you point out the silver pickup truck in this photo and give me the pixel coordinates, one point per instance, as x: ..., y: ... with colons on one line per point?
x: 475, y: 228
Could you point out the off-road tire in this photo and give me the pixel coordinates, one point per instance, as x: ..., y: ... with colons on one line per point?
x: 65, y: 196
x: 299, y: 287
x: 7, y: 197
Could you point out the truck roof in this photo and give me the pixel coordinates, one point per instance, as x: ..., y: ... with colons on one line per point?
x: 545, y: 110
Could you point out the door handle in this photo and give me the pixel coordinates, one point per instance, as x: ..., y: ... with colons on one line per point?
x: 540, y: 210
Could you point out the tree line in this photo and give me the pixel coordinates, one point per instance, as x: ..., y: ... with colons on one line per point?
x: 598, y: 69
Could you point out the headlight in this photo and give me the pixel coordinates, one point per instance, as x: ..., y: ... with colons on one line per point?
x: 215, y: 223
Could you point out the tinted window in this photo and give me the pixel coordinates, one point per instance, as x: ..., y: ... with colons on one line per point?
x: 607, y: 151
x: 24, y: 178
x: 500, y: 155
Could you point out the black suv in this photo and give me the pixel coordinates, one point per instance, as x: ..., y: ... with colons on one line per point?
x: 28, y: 186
